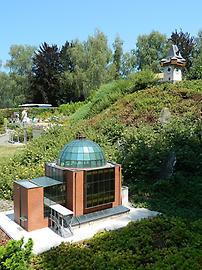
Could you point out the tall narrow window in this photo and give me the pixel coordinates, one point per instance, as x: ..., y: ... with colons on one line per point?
x: 99, y: 187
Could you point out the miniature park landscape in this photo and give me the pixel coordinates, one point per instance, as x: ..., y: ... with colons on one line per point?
x: 154, y: 130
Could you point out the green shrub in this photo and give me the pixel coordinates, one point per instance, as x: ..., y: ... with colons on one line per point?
x: 145, y: 150
x: 15, y: 256
x: 142, y: 79
x: 146, y: 244
x: 69, y: 108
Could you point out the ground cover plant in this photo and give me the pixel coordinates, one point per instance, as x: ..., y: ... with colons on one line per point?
x: 162, y: 164
x: 15, y: 256
x: 159, y: 243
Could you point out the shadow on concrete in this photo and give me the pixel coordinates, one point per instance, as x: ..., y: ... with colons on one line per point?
x: 10, y: 216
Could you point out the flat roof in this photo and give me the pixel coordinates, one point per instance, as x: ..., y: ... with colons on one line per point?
x: 26, y: 183
x: 117, y: 210
x: 38, y: 105
x: 61, y: 209
x: 45, y: 181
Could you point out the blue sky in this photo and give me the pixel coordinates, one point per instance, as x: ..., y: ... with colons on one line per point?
x: 55, y: 21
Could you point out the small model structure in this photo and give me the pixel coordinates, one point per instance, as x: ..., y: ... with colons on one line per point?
x: 172, y: 65
x: 81, y: 186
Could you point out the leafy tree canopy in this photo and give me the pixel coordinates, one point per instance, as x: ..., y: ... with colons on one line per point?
x: 45, y: 73
x: 20, y: 59
x: 54, y: 75
x: 85, y: 66
x: 13, y: 89
x: 98, y: 57
x: 68, y: 62
x: 118, y: 52
x: 195, y: 71
x: 186, y: 44
x: 150, y: 49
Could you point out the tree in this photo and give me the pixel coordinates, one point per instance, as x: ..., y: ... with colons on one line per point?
x: 86, y: 67
x: 117, y: 57
x: 199, y: 42
x: 186, y: 44
x: 72, y: 87
x: 20, y: 61
x: 98, y: 57
x: 67, y: 59
x: 128, y: 63
x: 195, y: 71
x: 150, y: 49
x: 46, y: 71
x: 13, y: 89
x: 73, y: 81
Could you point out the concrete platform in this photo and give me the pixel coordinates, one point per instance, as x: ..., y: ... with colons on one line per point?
x: 45, y: 238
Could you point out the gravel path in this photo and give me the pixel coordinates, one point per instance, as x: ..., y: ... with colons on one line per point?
x: 3, y: 238
x: 5, y: 205
x: 4, y: 139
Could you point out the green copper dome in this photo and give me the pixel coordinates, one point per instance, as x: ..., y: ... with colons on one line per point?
x: 81, y: 153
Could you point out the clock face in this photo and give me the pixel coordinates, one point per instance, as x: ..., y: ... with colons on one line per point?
x: 169, y: 69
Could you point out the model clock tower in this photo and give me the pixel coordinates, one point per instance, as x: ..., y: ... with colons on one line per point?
x: 172, y: 65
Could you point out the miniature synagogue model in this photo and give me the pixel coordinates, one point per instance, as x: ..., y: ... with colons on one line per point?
x: 80, y: 187
x: 172, y: 65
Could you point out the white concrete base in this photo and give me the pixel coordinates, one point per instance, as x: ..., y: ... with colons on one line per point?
x: 45, y: 238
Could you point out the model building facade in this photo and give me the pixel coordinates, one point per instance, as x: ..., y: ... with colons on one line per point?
x: 79, y: 183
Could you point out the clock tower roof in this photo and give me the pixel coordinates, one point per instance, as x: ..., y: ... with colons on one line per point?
x: 174, y: 57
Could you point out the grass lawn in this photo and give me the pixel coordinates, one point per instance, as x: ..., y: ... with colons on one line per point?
x: 8, y: 151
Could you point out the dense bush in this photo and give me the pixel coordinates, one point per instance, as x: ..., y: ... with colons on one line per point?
x: 144, y: 151
x: 15, y: 256
x: 142, y: 79
x: 147, y: 155
x: 69, y: 108
x: 159, y: 243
